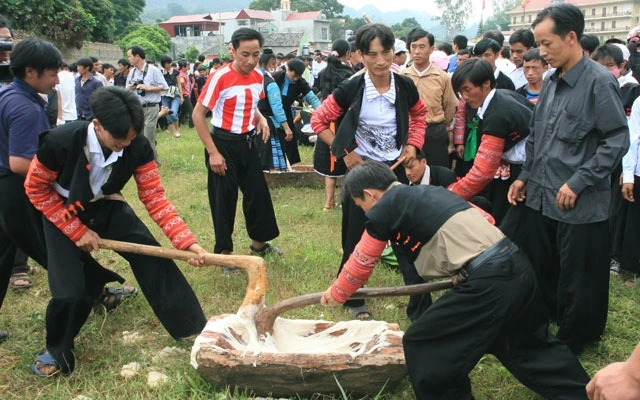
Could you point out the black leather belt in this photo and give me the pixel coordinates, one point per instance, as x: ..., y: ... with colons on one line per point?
x: 145, y: 105
x: 502, y: 248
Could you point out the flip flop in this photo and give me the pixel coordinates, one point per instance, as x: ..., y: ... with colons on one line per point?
x: 361, y: 313
x: 17, y: 277
x: 112, y: 297
x: 44, y: 358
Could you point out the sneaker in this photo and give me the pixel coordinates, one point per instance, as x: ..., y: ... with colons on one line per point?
x: 267, y: 249
x: 614, y: 267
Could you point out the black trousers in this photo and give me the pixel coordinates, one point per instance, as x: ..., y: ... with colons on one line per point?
x: 624, y: 218
x: 496, y: 310
x: 572, y: 265
x: 20, y: 227
x: 244, y: 172
x: 353, y: 221
x: 76, y: 280
x: 436, y: 145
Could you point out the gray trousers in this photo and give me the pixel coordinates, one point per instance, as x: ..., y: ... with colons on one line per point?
x: 150, y: 122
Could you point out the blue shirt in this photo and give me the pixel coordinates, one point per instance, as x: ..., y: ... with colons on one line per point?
x: 22, y: 119
x: 83, y: 94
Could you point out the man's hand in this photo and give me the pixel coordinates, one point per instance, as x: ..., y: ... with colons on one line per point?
x: 614, y: 381
x: 88, y: 241
x: 627, y: 192
x: 196, y: 248
x: 409, y: 152
x: 328, y: 300
x: 460, y: 150
x: 217, y: 163
x: 566, y: 198
x: 262, y: 127
x: 352, y: 160
x: 517, y: 192
x: 288, y: 135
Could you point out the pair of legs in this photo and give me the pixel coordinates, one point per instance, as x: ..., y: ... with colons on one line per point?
x: 496, y: 310
x: 150, y: 122
x: 243, y: 172
x: 328, y: 166
x: 173, y: 104
x: 572, y: 265
x: 76, y: 280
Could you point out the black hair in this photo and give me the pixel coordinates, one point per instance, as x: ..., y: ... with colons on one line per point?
x: 124, y: 62
x: 216, y: 61
x: 353, y: 46
x: 524, y: 36
x: 267, y: 51
x: 446, y: 47
x: 464, y: 51
x: 486, y: 44
x: 566, y: 18
x: 495, y: 35
x: 73, y: 67
x: 165, y: 59
x: 297, y: 66
x: 182, y: 64
x: 419, y: 33
x: 615, y: 40
x: 93, y: 59
x: 475, y: 70
x: 534, y: 54
x: 608, y: 51
x: 506, y: 52
x: 108, y: 66
x: 289, y: 56
x: 244, y: 34
x: 137, y: 51
x: 4, y: 23
x: 589, y: 43
x: 85, y: 62
x: 367, y: 33
x: 368, y: 175
x: 460, y: 41
x: 201, y: 57
x: 118, y: 110
x: 34, y: 53
x: 64, y: 65
x: 266, y: 57
x: 341, y: 47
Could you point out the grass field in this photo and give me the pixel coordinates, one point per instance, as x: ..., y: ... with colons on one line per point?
x: 310, y: 239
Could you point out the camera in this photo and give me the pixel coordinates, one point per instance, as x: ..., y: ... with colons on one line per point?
x: 140, y: 92
x: 5, y: 45
x: 5, y: 73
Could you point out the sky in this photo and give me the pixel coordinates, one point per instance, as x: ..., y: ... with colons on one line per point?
x: 421, y: 5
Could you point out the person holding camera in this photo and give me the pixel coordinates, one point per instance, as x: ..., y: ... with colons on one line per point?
x: 148, y: 82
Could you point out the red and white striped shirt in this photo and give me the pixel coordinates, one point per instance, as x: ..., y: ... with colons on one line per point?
x: 232, y: 99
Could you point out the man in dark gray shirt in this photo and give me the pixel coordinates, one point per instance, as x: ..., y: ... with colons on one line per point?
x: 578, y: 134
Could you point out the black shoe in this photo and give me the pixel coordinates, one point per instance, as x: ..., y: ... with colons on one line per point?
x: 267, y: 249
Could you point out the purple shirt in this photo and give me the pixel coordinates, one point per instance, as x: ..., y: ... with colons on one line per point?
x: 83, y: 94
x: 22, y: 119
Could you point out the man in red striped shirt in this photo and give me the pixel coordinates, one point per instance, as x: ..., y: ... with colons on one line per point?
x: 232, y: 93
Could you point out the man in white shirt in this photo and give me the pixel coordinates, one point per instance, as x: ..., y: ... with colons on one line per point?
x: 67, y: 90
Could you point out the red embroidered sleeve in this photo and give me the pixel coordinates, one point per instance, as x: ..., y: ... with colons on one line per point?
x: 324, y: 115
x: 483, y: 170
x: 39, y: 190
x: 460, y: 123
x: 151, y: 193
x: 417, y: 124
x: 358, y: 267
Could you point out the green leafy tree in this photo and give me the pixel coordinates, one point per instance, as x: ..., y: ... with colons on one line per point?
x: 64, y: 23
x: 353, y: 23
x: 499, y: 20
x: 454, y: 15
x: 404, y: 27
x: 265, y: 5
x: 126, y: 12
x: 155, y: 41
x: 192, y: 54
x: 102, y: 11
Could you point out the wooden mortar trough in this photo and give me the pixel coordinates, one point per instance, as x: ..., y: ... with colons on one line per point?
x: 257, y: 351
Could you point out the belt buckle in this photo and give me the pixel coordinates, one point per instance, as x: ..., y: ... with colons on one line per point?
x: 463, y: 274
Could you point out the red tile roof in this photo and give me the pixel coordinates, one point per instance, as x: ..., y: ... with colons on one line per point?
x: 255, y: 14
x: 312, y: 15
x: 181, y: 19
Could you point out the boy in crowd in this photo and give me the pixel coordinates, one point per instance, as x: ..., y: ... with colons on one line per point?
x: 534, y: 68
x: 75, y: 180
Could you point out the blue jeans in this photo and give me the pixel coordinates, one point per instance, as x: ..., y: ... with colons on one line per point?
x: 174, y: 105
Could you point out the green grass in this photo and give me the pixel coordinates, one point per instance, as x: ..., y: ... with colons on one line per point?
x: 310, y: 239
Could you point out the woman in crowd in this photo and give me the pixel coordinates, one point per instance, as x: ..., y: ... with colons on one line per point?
x: 173, y: 96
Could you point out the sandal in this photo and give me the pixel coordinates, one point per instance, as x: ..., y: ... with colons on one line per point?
x: 20, y: 281
x: 112, y: 297
x: 45, y: 359
x: 361, y: 313
x: 4, y: 335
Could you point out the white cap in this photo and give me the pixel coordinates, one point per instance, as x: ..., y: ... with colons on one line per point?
x: 400, y: 46
x: 625, y: 51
